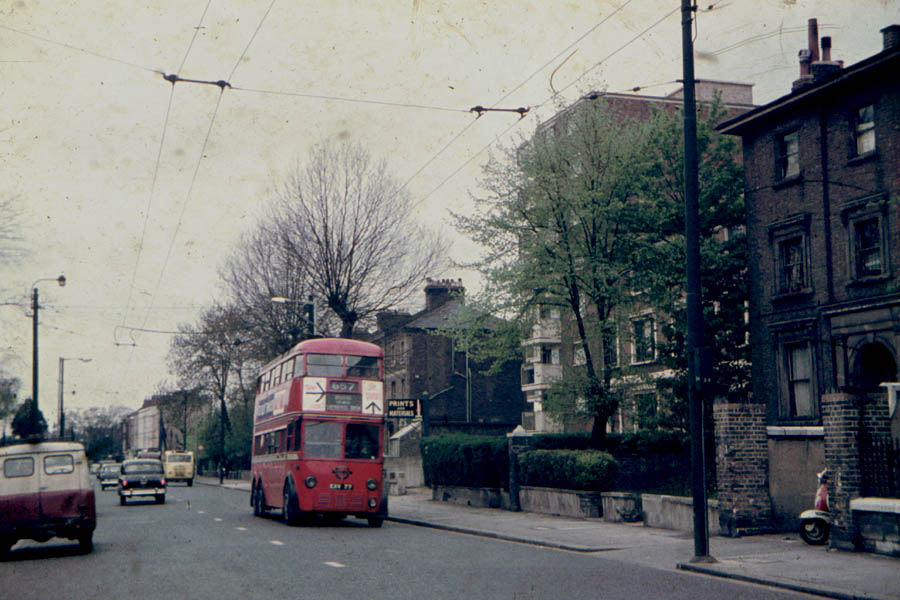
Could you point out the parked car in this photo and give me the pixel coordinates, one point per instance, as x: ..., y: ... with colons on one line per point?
x: 108, y: 475
x: 45, y: 492
x: 141, y: 478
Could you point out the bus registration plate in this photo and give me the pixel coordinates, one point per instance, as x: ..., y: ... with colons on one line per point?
x: 341, y: 486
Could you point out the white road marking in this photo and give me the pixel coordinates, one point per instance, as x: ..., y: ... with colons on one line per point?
x: 218, y: 519
x: 241, y: 528
x: 336, y: 565
x: 276, y: 542
x: 201, y: 512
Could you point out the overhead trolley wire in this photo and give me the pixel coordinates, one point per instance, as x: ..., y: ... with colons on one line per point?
x: 597, y: 64
x: 77, y: 49
x: 349, y: 99
x: 616, y: 51
x: 252, y: 37
x: 504, y: 97
x: 150, y: 199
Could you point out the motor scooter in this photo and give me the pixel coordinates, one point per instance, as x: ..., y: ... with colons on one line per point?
x: 815, y: 524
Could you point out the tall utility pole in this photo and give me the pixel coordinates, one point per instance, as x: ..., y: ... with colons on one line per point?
x: 694, y: 301
x: 61, y: 280
x: 61, y: 415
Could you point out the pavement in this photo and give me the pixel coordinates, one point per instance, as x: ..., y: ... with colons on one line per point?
x: 778, y: 560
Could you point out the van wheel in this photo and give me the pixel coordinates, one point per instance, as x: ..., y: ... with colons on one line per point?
x: 190, y: 482
x: 6, y: 545
x: 161, y: 499
x: 86, y: 542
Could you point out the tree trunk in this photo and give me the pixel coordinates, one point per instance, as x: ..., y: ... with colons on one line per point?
x: 598, y: 432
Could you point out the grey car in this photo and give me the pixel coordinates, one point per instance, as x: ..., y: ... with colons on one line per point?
x: 108, y: 475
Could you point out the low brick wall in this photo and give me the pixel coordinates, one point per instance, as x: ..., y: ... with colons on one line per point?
x: 621, y: 507
x: 876, y: 525
x: 565, y: 503
x: 467, y: 496
x: 676, y: 512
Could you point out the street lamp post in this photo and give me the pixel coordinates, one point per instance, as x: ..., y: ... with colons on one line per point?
x: 61, y: 417
x: 61, y: 280
x: 310, y: 307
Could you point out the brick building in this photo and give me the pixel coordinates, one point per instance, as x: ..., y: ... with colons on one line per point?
x: 823, y: 223
x: 418, y: 360
x: 554, y: 346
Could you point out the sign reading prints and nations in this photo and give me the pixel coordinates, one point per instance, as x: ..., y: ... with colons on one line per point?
x: 403, y: 407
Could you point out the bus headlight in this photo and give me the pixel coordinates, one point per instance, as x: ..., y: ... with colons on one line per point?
x: 373, y: 502
x: 310, y: 482
x: 371, y: 484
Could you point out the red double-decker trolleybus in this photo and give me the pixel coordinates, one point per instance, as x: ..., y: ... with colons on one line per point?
x: 318, y: 431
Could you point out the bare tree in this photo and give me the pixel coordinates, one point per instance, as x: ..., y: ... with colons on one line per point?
x: 348, y: 227
x: 259, y: 269
x: 10, y: 231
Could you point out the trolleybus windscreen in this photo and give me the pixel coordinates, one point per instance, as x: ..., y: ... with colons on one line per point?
x: 322, y: 440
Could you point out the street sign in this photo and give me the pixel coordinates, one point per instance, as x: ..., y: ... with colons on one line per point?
x: 403, y: 407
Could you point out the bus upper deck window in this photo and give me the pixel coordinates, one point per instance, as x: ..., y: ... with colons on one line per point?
x: 362, y: 366
x: 324, y: 365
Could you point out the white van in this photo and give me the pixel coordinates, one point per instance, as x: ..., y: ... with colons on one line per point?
x: 179, y: 466
x: 45, y: 491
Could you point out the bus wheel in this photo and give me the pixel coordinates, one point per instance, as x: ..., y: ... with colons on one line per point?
x: 375, y: 521
x: 289, y: 510
x: 258, y: 509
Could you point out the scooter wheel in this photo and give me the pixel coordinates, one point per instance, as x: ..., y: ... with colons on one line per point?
x: 814, y: 533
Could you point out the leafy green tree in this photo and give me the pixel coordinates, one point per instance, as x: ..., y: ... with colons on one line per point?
x: 588, y: 217
x: 565, y: 225
x: 723, y: 246
x: 29, y: 421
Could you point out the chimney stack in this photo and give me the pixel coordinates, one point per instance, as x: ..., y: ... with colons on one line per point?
x: 891, y: 36
x: 813, y: 70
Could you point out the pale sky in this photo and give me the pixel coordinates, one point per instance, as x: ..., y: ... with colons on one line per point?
x: 117, y: 191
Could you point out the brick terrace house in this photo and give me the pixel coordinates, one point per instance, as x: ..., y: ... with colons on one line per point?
x: 554, y: 346
x: 417, y: 360
x: 823, y: 222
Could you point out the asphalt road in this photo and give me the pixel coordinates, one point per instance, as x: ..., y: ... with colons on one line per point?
x: 204, y: 542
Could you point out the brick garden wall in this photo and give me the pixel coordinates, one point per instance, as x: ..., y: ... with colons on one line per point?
x: 742, y: 464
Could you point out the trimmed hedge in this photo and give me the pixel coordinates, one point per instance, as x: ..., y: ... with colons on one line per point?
x: 465, y: 460
x: 588, y: 470
x: 648, y: 461
x: 643, y: 442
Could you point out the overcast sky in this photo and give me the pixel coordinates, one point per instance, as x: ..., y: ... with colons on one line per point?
x: 137, y: 192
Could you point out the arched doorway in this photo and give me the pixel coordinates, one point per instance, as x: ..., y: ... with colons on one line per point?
x: 874, y: 364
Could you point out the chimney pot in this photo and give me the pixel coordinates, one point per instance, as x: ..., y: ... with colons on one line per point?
x: 826, y: 49
x: 813, y: 37
x: 804, y: 62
